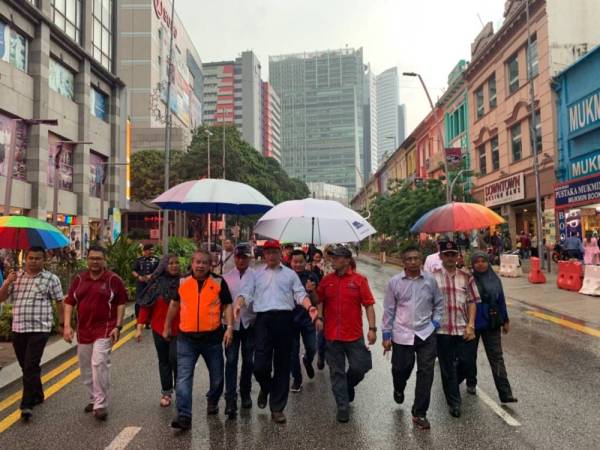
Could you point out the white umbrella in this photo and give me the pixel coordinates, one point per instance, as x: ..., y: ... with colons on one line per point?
x: 316, y: 221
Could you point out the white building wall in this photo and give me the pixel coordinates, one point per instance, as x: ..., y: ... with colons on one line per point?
x: 387, y: 113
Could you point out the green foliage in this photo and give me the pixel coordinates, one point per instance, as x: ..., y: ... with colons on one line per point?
x: 120, y: 257
x: 183, y: 248
x: 5, y: 321
x: 66, y: 267
x: 147, y: 173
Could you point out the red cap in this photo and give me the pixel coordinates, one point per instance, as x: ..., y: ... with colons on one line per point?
x: 272, y: 244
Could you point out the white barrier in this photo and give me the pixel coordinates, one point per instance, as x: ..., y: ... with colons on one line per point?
x: 509, y: 266
x: 591, y: 281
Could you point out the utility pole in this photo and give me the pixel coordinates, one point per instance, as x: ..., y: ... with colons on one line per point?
x: 208, y: 135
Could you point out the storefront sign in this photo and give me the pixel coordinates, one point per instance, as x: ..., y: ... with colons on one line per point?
x: 588, y: 165
x: 585, y: 113
x: 578, y: 192
x: 162, y: 13
x: 453, y: 157
x: 505, y: 191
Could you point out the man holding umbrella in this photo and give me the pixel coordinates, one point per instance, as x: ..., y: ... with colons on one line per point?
x: 273, y: 291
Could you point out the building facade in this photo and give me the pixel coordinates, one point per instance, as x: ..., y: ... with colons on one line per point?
x: 326, y: 191
x: 322, y: 115
x: 271, y: 122
x: 58, y: 61
x: 370, y: 146
x: 143, y: 40
x: 233, y: 93
x: 387, y: 113
x: 401, y: 122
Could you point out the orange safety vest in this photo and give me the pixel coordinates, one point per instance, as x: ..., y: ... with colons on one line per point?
x: 200, y: 311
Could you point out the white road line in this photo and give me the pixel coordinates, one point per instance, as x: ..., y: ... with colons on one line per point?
x: 497, y: 409
x: 124, y: 438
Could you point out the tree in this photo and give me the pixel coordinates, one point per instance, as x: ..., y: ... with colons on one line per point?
x: 148, y: 173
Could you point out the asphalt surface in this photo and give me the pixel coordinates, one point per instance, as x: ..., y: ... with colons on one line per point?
x: 554, y: 372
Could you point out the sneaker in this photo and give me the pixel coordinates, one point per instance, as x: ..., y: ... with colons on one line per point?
x: 343, y: 415
x: 26, y: 413
x: 454, y: 411
x: 472, y: 390
x: 246, y: 402
x: 320, y: 363
x: 421, y: 422
x: 278, y: 417
x: 182, y: 423
x: 296, y: 386
x: 88, y: 408
x: 212, y: 409
x: 398, y: 397
x: 231, y: 408
x: 351, y: 394
x: 101, y: 413
x: 261, y: 401
x: 310, y: 372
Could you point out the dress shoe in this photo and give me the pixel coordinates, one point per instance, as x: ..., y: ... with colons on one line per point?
x: 343, y: 415
x: 399, y: 397
x: 182, y: 423
x: 278, y: 417
x: 261, y: 401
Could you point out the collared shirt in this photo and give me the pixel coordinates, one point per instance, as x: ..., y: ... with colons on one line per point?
x: 432, y: 262
x: 409, y: 306
x: 235, y: 280
x: 228, y: 260
x: 342, y: 298
x: 97, y: 302
x: 273, y: 289
x: 32, y: 298
x: 459, y: 291
x: 574, y: 243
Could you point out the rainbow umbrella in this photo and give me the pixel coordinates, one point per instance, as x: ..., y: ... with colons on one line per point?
x: 20, y: 232
x: 456, y: 216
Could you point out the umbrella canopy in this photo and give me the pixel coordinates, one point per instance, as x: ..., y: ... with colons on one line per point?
x: 456, y: 216
x: 214, y: 196
x: 20, y: 232
x: 317, y: 221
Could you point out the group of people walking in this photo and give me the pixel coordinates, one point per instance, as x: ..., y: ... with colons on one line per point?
x: 263, y: 313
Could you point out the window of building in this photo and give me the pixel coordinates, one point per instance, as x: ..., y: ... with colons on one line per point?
x: 495, y: 154
x: 102, y: 32
x: 99, y: 104
x: 61, y: 79
x: 512, y: 69
x: 97, y: 168
x: 537, y: 127
x: 479, y: 103
x: 13, y: 47
x: 515, y: 140
x: 66, y: 15
x: 492, y: 91
x: 482, y: 159
x: 533, y: 58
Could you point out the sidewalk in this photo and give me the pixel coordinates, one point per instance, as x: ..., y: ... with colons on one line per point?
x: 547, y: 297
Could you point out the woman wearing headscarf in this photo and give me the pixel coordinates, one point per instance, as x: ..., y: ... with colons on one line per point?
x: 154, y: 304
x: 491, y: 321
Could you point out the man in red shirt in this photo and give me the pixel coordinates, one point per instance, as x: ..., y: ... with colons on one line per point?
x: 341, y: 295
x: 100, y: 297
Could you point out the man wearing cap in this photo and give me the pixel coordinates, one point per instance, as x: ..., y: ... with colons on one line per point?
x: 142, y: 271
x: 434, y: 261
x: 341, y: 295
x: 273, y: 291
x: 458, y: 322
x: 243, y: 337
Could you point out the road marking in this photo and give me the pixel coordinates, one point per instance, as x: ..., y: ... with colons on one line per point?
x: 14, y: 417
x: 565, y: 323
x: 497, y: 409
x: 15, y: 397
x: 123, y: 438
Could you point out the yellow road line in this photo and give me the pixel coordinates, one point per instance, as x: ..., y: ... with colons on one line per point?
x: 11, y: 399
x: 565, y: 323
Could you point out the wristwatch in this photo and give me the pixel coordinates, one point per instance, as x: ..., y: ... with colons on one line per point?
x: 373, y: 329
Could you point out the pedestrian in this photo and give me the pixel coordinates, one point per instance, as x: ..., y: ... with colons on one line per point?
x: 412, y: 311
x: 434, y: 261
x: 458, y: 322
x: 32, y: 293
x: 286, y: 257
x: 227, y: 258
x: 142, y: 271
x: 591, y: 251
x: 573, y: 246
x: 154, y: 305
x: 243, y: 338
x: 203, y: 298
x: 303, y: 325
x: 491, y: 317
x: 341, y: 295
x: 99, y: 296
x: 273, y: 291
x: 317, y: 264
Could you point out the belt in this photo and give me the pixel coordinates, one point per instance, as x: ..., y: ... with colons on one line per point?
x: 275, y: 312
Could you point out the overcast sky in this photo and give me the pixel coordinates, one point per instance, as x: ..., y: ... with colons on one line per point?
x: 425, y: 36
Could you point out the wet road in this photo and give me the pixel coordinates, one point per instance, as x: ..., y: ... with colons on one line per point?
x: 554, y: 372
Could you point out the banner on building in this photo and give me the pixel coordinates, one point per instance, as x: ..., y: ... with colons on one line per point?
x: 453, y: 157
x: 577, y: 192
x: 505, y: 190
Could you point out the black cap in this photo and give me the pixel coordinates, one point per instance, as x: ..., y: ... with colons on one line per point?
x: 448, y: 246
x: 148, y: 246
x: 243, y: 250
x: 342, y: 251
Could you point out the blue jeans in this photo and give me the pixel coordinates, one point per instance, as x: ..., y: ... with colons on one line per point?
x: 243, y: 337
x: 303, y: 326
x: 189, y: 350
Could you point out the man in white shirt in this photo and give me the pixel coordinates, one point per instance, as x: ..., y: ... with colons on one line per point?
x: 227, y: 257
x: 433, y: 262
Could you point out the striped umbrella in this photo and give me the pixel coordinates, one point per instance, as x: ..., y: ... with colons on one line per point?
x: 456, y: 216
x: 21, y: 232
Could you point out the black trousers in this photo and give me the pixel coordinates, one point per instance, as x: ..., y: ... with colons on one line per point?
x: 273, y: 345
x: 29, y: 348
x: 492, y: 342
x: 451, y: 350
x: 244, y: 339
x: 167, y: 361
x: 403, y: 361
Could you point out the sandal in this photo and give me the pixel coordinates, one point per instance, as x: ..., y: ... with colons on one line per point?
x: 165, y: 400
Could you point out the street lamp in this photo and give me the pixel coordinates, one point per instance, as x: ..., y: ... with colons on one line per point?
x: 208, y: 135
x: 441, y: 139
x: 461, y: 172
x: 11, y: 155
x: 59, y: 150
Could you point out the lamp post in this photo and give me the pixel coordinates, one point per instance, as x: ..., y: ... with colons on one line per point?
x: 59, y: 150
x: 441, y: 139
x: 11, y: 155
x: 461, y: 172
x: 208, y: 135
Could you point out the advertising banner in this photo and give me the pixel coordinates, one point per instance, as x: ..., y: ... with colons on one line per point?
x: 505, y: 190
x: 578, y: 192
x: 453, y: 157
x: 19, y: 166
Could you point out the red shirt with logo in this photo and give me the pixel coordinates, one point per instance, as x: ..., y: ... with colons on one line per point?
x: 96, y: 302
x: 343, y: 298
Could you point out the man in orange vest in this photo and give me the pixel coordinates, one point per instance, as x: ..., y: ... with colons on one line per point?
x: 203, y: 299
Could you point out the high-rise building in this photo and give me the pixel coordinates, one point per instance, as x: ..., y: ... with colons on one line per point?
x: 144, y: 31
x: 271, y: 122
x: 370, y: 123
x: 233, y: 94
x: 322, y: 115
x: 401, y: 123
x: 388, y: 138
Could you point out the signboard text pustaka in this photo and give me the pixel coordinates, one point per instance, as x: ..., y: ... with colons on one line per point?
x: 162, y: 13
x: 505, y: 191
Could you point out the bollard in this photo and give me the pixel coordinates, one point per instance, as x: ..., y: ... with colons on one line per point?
x: 536, y: 276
